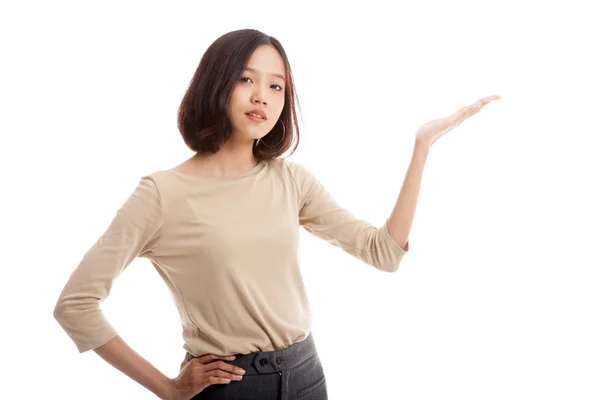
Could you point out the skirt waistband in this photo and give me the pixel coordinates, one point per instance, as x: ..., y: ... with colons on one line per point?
x: 266, y: 362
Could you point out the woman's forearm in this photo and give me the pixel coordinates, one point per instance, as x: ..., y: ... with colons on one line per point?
x: 401, y: 218
x: 118, y: 354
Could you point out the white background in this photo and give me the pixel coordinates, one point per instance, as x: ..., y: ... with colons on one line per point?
x: 498, y: 297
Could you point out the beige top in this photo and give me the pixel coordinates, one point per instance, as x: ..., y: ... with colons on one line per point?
x: 227, y: 248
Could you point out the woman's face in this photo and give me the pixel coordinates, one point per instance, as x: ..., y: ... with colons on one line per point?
x: 261, y: 87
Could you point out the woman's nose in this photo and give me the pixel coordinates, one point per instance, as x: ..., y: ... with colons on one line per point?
x: 259, y: 99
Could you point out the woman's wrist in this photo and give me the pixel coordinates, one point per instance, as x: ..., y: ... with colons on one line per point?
x: 166, y: 390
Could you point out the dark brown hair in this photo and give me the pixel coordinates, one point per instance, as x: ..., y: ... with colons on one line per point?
x: 203, y: 117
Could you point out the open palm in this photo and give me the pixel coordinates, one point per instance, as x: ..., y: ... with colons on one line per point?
x: 433, y: 130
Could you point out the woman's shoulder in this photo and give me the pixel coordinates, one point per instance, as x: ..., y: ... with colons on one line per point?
x: 297, y: 168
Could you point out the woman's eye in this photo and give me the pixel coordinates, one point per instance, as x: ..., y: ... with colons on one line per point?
x: 278, y: 86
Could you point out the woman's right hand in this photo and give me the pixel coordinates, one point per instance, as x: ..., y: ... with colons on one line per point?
x: 201, y: 372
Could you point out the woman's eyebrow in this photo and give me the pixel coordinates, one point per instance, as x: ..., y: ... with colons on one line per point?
x: 272, y: 74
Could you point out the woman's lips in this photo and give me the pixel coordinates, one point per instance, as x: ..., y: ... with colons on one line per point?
x: 255, y: 119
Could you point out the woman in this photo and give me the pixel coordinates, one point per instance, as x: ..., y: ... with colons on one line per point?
x: 221, y: 229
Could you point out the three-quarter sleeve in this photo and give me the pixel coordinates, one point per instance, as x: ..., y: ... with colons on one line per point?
x: 133, y: 232
x: 322, y: 216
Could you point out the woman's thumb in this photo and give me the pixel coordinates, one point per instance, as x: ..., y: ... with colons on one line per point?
x: 185, y: 361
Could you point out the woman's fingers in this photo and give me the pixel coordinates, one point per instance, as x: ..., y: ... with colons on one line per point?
x: 223, y: 366
x: 201, y: 372
x: 465, y: 112
x: 206, y: 358
x: 460, y: 115
x: 487, y: 99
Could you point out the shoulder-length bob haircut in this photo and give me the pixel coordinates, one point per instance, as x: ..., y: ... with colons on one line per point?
x: 204, y: 118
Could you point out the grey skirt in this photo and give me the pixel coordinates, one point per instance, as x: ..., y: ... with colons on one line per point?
x: 287, y: 374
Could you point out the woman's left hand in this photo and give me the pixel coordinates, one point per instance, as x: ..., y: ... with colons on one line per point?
x: 433, y: 130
